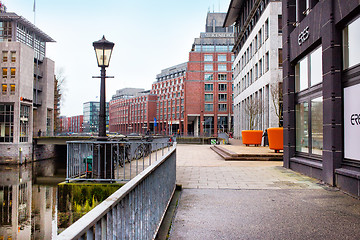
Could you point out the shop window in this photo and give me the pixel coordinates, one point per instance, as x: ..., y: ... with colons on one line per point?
x: 308, y: 71
x: 6, y: 122
x: 309, y: 126
x: 351, y: 38
x: 24, y: 123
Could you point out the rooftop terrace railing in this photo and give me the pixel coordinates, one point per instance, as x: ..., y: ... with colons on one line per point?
x: 136, y: 210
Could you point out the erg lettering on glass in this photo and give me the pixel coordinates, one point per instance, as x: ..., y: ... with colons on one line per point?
x: 355, y: 119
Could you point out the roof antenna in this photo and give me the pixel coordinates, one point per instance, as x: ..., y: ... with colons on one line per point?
x: 34, y: 8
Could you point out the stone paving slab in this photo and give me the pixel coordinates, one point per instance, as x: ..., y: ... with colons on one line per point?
x: 256, y: 200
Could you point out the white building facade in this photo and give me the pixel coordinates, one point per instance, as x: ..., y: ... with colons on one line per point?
x: 258, y: 67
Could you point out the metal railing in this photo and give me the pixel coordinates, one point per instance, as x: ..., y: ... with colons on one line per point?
x: 112, y: 160
x: 136, y: 210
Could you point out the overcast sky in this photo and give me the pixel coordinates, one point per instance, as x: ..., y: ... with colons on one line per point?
x: 148, y: 35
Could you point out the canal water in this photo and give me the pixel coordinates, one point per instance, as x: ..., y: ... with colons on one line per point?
x: 33, y: 205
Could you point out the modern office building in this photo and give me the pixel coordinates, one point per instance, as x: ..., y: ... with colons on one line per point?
x: 169, y: 87
x: 91, y: 117
x: 258, y: 64
x: 191, y: 98
x: 27, y: 86
x: 132, y: 114
x: 321, y: 69
x: 208, y: 83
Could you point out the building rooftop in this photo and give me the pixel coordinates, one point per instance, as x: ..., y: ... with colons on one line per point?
x: 172, y: 70
x: 233, y: 12
x: 14, y: 17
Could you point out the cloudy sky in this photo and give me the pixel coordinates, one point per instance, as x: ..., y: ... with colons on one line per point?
x: 148, y: 35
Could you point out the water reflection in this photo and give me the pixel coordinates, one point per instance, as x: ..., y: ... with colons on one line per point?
x: 28, y: 210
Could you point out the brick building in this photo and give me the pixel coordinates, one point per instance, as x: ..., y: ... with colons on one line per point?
x: 134, y: 112
x: 208, y: 84
x: 191, y: 98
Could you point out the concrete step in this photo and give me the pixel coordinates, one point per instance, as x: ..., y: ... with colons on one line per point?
x: 230, y: 155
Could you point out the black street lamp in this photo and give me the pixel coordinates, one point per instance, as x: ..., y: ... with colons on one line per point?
x: 103, y: 49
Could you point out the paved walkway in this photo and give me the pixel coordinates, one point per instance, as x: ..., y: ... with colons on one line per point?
x: 256, y: 200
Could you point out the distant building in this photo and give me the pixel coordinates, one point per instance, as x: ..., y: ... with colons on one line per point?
x: 208, y: 84
x: 27, y: 86
x: 191, y: 98
x: 91, y: 117
x: 127, y: 93
x: 169, y: 87
x: 257, y: 65
x: 132, y: 112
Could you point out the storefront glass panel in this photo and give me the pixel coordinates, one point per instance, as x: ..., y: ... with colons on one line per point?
x: 317, y: 125
x: 302, y: 135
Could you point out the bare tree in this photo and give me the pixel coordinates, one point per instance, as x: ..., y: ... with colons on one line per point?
x: 253, y: 110
x: 277, y: 100
x: 59, y: 89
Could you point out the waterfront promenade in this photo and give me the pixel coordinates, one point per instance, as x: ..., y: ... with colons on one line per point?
x: 256, y: 200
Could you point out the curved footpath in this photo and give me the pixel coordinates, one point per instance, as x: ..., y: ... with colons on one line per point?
x: 256, y: 200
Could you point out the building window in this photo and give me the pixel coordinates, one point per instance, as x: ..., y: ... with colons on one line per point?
x: 280, y: 57
x: 6, y: 122
x: 209, y: 98
x: 309, y: 126
x: 222, y: 107
x: 351, y: 38
x: 197, y: 48
x: 260, y: 68
x: 12, y: 89
x: 267, y: 62
x: 222, y: 67
x: 4, y: 73
x: 222, y: 87
x: 4, y: 88
x: 208, y: 67
x: 221, y: 48
x: 208, y: 87
x: 208, y: 77
x: 13, y: 56
x: 221, y: 58
x: 24, y: 123
x: 208, y: 58
x: 4, y: 56
x: 209, y: 107
x: 222, y: 77
x: 279, y: 24
x: 308, y: 71
x: 266, y: 29
x: 222, y: 97
x: 12, y: 72
x: 208, y: 48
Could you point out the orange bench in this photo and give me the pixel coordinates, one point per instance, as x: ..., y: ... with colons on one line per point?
x: 276, y: 136
x: 251, y: 137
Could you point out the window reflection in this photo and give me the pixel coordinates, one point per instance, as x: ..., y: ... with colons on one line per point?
x: 316, y: 66
x: 302, y: 113
x: 351, y: 47
x: 317, y: 125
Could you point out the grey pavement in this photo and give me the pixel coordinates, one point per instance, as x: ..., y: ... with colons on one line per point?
x: 256, y: 200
